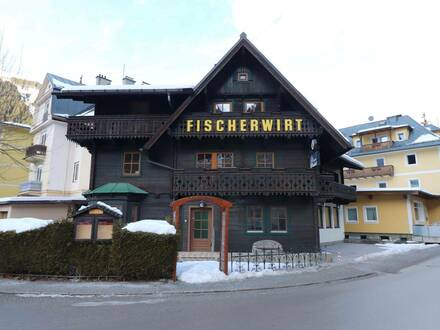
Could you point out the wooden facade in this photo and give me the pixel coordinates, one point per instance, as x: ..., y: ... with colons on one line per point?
x: 244, y: 134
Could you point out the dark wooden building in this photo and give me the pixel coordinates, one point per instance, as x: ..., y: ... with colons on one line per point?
x: 243, y: 134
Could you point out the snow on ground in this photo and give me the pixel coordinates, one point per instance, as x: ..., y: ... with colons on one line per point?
x: 21, y: 225
x: 389, y: 249
x: 160, y: 227
x: 208, y: 271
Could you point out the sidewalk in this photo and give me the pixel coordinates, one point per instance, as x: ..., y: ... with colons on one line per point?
x: 345, y: 267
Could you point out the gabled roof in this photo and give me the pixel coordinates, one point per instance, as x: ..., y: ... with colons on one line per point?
x: 420, y: 136
x: 102, y: 206
x: 61, y: 82
x: 116, y: 188
x: 243, y: 42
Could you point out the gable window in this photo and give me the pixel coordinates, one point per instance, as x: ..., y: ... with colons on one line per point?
x: 278, y: 219
x: 370, y: 214
x: 419, y: 212
x: 75, y: 171
x: 401, y: 136
x: 255, y: 219
x: 253, y: 106
x: 243, y: 76
x: 221, y: 107
x: 132, y: 164
x: 352, y: 215
x: 382, y: 185
x: 265, y: 160
x: 414, y: 183
x: 214, y: 160
x: 380, y: 162
x: 411, y: 159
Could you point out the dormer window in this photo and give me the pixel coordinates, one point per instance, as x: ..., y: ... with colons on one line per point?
x: 253, y: 106
x: 243, y: 76
x: 401, y: 136
x: 221, y: 107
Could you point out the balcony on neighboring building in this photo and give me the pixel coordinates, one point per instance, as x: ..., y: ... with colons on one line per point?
x: 35, y: 153
x: 369, y: 172
x: 376, y: 146
x: 31, y: 188
x: 88, y: 128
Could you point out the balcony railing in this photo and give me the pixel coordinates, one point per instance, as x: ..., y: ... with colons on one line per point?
x: 35, y: 153
x: 386, y: 170
x: 244, y: 183
x: 84, y: 128
x: 30, y: 188
x: 336, y: 192
x: 377, y: 146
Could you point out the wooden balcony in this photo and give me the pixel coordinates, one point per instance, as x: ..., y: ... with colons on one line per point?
x: 369, y: 172
x: 83, y: 128
x: 35, y: 153
x: 244, y: 182
x: 377, y: 146
x: 332, y: 191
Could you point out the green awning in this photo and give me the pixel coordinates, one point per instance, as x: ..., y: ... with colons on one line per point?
x: 116, y: 188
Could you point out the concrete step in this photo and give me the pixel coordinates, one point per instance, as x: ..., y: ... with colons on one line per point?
x: 196, y: 256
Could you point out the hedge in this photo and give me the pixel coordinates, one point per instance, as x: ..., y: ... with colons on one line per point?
x: 53, y: 251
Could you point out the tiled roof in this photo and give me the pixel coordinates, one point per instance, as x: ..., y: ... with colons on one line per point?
x: 420, y: 136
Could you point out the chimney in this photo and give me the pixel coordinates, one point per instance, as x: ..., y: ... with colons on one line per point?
x: 102, y: 80
x: 128, y: 81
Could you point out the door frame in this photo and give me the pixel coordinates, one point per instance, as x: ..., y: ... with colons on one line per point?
x: 189, y: 230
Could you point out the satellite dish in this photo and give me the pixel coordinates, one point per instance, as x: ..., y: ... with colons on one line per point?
x: 370, y: 118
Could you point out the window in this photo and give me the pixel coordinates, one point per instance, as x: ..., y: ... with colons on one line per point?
x: 132, y: 163
x: 374, y: 140
x: 382, y: 184
x: 204, y: 160
x: 383, y: 138
x: 419, y: 212
x: 278, y: 219
x: 255, y: 219
x: 320, y: 217
x: 400, y: 136
x: 336, y: 217
x: 414, y: 183
x: 380, y: 162
x: 93, y: 229
x: 39, y: 173
x: 84, y: 229
x: 370, y: 214
x: 220, y: 107
x: 134, y: 214
x: 265, y: 159
x: 243, y: 76
x: 358, y: 143
x: 43, y: 139
x: 411, y: 159
x: 328, y: 217
x: 3, y: 214
x: 225, y: 160
x: 253, y: 106
x: 104, y: 229
x: 352, y: 214
x: 75, y: 171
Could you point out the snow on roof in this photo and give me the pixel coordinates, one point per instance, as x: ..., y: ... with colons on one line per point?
x: 110, y: 208
x: 15, y: 124
x: 37, y: 199
x: 21, y: 225
x: 426, y: 138
x: 408, y: 189
x: 160, y: 227
x: 103, y: 88
x: 377, y: 128
x: 352, y: 160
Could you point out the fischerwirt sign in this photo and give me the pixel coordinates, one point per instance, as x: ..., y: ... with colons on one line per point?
x: 244, y: 125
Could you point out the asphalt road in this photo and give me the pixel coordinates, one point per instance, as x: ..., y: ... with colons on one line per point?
x: 407, y: 299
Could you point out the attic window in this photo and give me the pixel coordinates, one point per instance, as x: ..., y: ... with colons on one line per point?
x: 243, y: 76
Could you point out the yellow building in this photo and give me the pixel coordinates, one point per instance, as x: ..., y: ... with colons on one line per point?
x: 14, y: 139
x: 398, y: 191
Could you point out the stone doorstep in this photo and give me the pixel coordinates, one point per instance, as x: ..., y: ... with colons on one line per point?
x: 197, y: 256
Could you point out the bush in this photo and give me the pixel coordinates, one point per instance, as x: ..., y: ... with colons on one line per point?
x: 53, y: 251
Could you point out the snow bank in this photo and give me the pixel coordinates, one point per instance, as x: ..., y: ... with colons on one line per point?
x: 160, y: 227
x: 21, y: 225
x: 393, y: 249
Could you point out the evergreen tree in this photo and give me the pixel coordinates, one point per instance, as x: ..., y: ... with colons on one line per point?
x: 12, y: 106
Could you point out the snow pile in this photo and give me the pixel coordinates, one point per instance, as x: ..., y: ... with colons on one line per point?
x: 426, y: 138
x: 393, y: 249
x: 21, y: 225
x: 111, y: 208
x: 160, y: 227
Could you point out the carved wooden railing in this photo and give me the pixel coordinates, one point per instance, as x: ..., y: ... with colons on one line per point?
x: 377, y: 146
x: 113, y: 127
x: 244, y: 183
x: 308, y: 127
x: 35, y: 150
x: 386, y: 170
x: 334, y: 191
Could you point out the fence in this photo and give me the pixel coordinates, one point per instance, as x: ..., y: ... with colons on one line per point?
x: 275, y: 259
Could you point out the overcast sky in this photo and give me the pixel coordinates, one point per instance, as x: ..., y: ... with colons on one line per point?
x: 351, y: 59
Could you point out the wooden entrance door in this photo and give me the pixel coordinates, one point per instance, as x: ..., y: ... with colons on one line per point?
x: 200, y: 229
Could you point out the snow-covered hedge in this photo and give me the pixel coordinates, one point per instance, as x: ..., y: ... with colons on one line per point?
x: 21, y: 225
x: 160, y: 227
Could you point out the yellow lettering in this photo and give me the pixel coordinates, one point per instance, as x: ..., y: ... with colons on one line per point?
x: 288, y: 125
x: 254, y: 125
x: 189, y: 125
x: 267, y: 124
x: 220, y: 125
x: 298, y: 124
x: 197, y: 125
x: 243, y: 125
x: 208, y: 125
x: 278, y: 125
x: 232, y: 125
